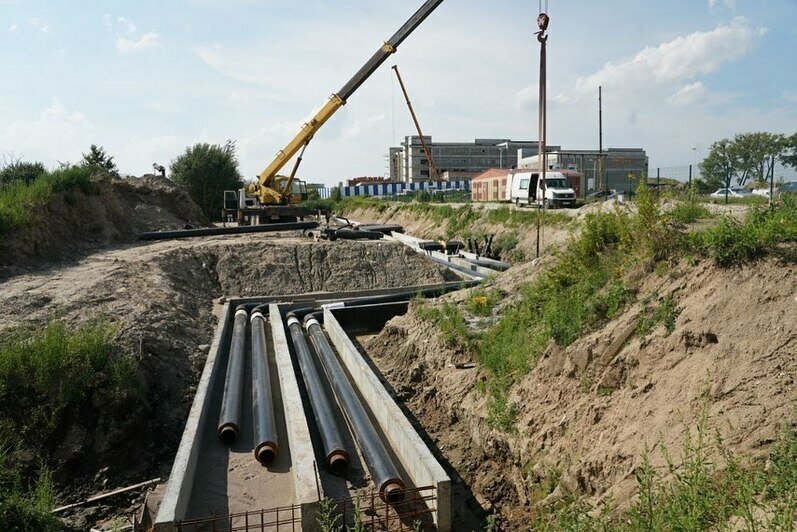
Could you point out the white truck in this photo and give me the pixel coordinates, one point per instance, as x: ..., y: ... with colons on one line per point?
x: 524, y: 188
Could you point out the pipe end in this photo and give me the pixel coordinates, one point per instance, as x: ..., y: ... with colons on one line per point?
x: 392, y: 490
x: 338, y: 462
x: 228, y: 433
x: 267, y: 452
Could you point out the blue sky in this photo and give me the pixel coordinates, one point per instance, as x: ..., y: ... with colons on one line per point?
x: 145, y: 79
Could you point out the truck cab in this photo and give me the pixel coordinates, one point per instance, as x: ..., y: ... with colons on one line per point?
x: 526, y: 189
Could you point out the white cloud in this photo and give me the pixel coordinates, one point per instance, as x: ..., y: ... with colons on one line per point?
x: 728, y: 4
x: 39, y: 24
x: 693, y: 93
x: 57, y: 134
x: 365, y: 124
x: 13, y: 28
x: 130, y: 27
x: 669, y: 64
x: 147, y: 41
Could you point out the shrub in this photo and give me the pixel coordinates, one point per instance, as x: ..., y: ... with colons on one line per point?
x: 206, y: 171
x: 19, y: 199
x: 26, y: 172
x: 26, y: 507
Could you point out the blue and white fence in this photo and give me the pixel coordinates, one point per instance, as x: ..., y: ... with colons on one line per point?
x: 396, y: 189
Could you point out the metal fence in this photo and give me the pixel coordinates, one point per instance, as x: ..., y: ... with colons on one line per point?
x: 365, y: 511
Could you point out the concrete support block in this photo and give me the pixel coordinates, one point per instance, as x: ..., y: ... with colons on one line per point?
x: 308, y: 490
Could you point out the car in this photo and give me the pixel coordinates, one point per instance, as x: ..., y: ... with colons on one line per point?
x: 602, y: 195
x: 732, y: 192
x: 761, y: 192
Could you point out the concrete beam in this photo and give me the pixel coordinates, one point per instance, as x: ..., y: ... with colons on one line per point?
x: 174, y: 504
x: 308, y: 490
x: 415, y: 456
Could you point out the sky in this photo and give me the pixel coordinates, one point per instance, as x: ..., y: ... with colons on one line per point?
x: 146, y: 79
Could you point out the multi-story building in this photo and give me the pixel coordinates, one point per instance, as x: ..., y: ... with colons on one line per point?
x: 408, y: 163
x: 618, y: 163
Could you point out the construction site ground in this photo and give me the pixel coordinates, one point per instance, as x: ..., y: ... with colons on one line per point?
x: 732, y: 354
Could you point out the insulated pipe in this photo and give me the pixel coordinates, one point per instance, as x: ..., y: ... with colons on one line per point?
x: 336, y: 456
x: 265, y: 424
x: 383, y: 471
x: 230, y: 419
x: 211, y: 231
x: 434, y: 291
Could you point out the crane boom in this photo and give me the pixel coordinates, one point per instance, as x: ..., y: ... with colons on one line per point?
x: 265, y: 188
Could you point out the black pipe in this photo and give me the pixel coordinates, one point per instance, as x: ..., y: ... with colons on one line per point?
x: 382, y: 228
x: 334, y: 451
x: 383, y: 471
x: 211, y: 231
x: 230, y: 419
x: 265, y: 424
x: 434, y: 291
x: 349, y: 234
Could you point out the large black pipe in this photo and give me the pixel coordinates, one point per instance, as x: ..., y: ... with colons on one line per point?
x: 211, y: 231
x: 265, y: 424
x: 334, y: 451
x: 230, y: 419
x: 383, y: 471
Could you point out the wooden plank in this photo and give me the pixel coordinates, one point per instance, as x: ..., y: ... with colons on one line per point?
x: 109, y: 494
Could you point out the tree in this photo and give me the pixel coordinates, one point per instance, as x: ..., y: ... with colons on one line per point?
x: 719, y: 166
x: 747, y: 157
x: 206, y: 171
x: 17, y: 170
x: 789, y: 155
x: 97, y: 158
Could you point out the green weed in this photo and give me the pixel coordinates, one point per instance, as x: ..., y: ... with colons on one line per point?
x: 18, y: 199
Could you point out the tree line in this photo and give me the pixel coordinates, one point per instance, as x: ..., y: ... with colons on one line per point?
x: 748, y: 158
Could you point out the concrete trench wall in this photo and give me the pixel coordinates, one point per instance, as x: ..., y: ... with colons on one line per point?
x: 415, y: 456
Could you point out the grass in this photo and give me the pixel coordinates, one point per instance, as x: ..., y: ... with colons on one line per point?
x: 524, y: 218
x: 19, y: 199
x: 665, y: 313
x: 26, y: 506
x: 49, y: 378
x: 48, y: 374
x: 770, y: 230
x: 707, y: 488
x: 451, y: 322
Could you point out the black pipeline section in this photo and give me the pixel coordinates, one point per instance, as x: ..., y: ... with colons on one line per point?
x: 383, y: 471
x: 212, y: 231
x: 336, y: 456
x: 230, y: 419
x: 434, y: 291
x: 265, y: 424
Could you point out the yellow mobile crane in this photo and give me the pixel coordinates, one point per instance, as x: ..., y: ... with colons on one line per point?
x: 276, y: 196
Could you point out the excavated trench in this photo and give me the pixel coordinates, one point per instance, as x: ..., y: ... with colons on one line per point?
x: 166, y: 298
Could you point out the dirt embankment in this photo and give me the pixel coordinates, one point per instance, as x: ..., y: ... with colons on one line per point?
x: 73, y: 223
x: 515, y: 242
x: 162, y: 295
x: 585, y: 413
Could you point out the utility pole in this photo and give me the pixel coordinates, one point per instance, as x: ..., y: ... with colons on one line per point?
x: 542, y: 22
x: 600, y: 138
x: 433, y: 170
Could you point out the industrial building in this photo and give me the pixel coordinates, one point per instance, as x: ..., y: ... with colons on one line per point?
x: 618, y: 163
x: 456, y: 160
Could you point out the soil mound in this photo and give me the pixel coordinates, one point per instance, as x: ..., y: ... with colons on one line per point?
x: 586, y: 412
x: 73, y: 223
